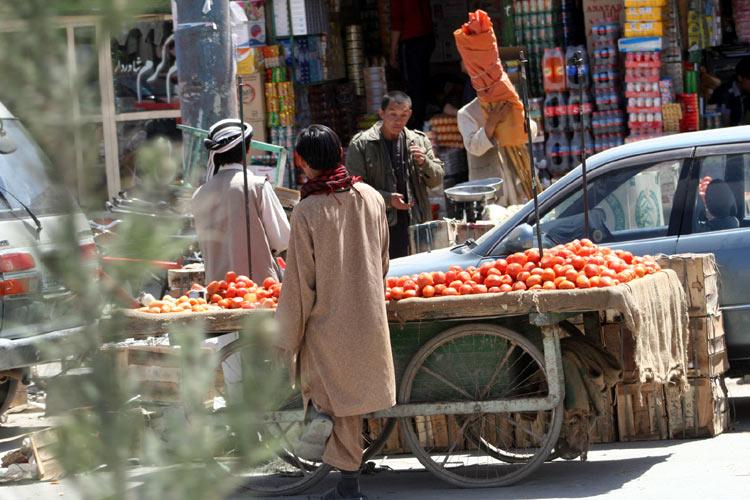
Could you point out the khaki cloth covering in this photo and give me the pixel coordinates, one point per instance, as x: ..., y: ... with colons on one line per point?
x: 653, y: 308
x: 344, y: 447
x: 332, y: 310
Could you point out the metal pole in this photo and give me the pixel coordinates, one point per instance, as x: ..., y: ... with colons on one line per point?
x: 578, y: 60
x: 527, y: 125
x: 245, y: 188
x: 205, y: 64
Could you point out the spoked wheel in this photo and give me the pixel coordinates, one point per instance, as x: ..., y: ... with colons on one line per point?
x: 480, y: 362
x: 283, y: 472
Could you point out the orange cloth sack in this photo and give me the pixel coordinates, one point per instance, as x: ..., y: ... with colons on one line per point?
x: 477, y: 45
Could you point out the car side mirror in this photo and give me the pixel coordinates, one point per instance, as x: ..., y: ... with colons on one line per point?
x: 519, y: 239
x: 7, y: 145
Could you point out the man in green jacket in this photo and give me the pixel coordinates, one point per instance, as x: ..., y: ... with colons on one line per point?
x: 400, y: 164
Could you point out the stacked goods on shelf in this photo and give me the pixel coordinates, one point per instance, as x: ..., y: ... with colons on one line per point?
x: 670, y: 110
x: 644, y: 27
x: 355, y: 57
x: 689, y: 101
x: 562, y: 118
x: 325, y: 103
x: 608, y: 122
x: 702, y: 411
x: 671, y: 56
x: 446, y: 131
x: 537, y: 26
x: 741, y: 15
x: 375, y: 86
x: 704, y: 24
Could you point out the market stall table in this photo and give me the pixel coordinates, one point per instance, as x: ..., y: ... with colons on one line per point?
x: 477, y: 361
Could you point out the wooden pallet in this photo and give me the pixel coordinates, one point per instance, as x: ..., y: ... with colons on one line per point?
x: 699, y: 276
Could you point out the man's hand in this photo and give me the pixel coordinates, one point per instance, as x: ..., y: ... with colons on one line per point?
x: 418, y: 153
x: 397, y: 202
x: 498, y: 113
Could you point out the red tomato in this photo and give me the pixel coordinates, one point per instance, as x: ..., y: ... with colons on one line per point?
x: 237, y: 302
x: 523, y: 276
x: 479, y: 289
x: 391, y: 282
x: 438, y: 278
x: 231, y: 276
x: 248, y: 305
x: 455, y: 268
x: 223, y: 285
x: 591, y: 270
x: 493, y: 280
x: 464, y: 276
x: 439, y: 289
x: 548, y: 275
x: 410, y: 294
x: 534, y: 279
x: 484, y: 269
x: 566, y: 285
x: 224, y: 303
x: 640, y: 270
x: 212, y: 288
x: 549, y: 285
x: 517, y: 258
x: 456, y: 284
x: 513, y: 269
x: 535, y: 287
x: 559, y: 269
x: 428, y: 291
x: 495, y: 271
x: 578, y: 263
x: 477, y: 277
x: 425, y: 279
x: 595, y: 281
x: 532, y: 255
x: 268, y: 283
x: 397, y: 293
x: 466, y: 290
x: 451, y: 276
x: 410, y: 285
x: 471, y: 269
x: 216, y: 298
x: 388, y: 295
x: 605, y: 271
x: 571, y: 275
x: 559, y: 280
x: 537, y: 271
x: 501, y: 265
x: 241, y: 292
x: 507, y: 280
x: 519, y: 286
x: 529, y: 266
x: 582, y: 281
x: 506, y: 288
x: 606, y: 281
x: 494, y: 289
x: 231, y: 293
x: 450, y: 291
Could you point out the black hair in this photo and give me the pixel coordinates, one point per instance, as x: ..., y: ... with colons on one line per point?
x: 234, y: 155
x: 395, y: 96
x: 320, y: 147
x: 720, y: 200
x: 743, y: 68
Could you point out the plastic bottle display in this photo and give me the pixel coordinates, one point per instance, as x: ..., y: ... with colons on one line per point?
x: 555, y: 112
x: 574, y: 80
x: 553, y: 70
x: 558, y: 153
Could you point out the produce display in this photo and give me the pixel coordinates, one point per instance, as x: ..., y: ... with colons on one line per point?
x: 576, y: 265
x: 233, y: 292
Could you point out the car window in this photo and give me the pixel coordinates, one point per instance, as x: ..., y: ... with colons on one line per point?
x: 23, y: 174
x: 723, y: 200
x: 627, y: 204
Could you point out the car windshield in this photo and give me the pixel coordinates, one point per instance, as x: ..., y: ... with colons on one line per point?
x: 23, y: 174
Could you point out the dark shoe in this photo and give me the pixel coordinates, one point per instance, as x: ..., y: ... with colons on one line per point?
x: 333, y: 494
x: 312, y: 442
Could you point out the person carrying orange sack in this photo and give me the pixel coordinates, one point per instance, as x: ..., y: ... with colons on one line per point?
x: 477, y: 45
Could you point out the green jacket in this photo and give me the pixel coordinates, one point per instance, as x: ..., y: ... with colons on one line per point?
x: 369, y: 158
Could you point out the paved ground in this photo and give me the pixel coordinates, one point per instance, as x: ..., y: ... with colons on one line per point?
x: 694, y: 469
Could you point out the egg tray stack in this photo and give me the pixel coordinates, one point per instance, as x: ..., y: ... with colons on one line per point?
x: 446, y: 129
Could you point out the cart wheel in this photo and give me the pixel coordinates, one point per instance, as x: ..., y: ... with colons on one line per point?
x: 284, y: 473
x: 479, y: 362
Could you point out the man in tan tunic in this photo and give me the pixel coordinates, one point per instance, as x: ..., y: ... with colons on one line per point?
x: 332, y: 307
x: 219, y: 213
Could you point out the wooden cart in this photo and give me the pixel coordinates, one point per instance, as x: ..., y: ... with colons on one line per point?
x: 490, y: 366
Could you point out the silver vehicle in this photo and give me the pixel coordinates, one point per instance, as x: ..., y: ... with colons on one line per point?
x: 37, y: 219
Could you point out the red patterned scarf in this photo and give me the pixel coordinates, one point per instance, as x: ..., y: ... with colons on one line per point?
x: 329, y: 181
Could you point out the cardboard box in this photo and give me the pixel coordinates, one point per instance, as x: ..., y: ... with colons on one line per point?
x: 641, y: 412
x: 600, y: 12
x: 699, y: 276
x: 702, y: 411
x: 707, y: 350
x: 254, y: 99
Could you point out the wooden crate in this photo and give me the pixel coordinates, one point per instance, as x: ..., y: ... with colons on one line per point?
x: 620, y: 342
x: 699, y: 276
x: 707, y: 350
x: 156, y: 370
x: 702, y: 411
x: 603, y: 428
x: 641, y: 412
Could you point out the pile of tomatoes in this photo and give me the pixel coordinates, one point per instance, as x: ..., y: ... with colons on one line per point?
x: 240, y: 292
x: 576, y: 265
x: 233, y: 292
